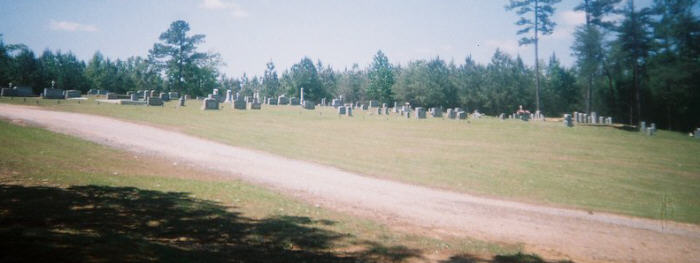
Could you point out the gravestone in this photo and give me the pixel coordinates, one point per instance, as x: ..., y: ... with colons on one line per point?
x: 650, y: 131
x: 461, y: 115
x: 210, y: 104
x: 271, y: 101
x: 342, y: 110
x: 373, y: 104
x: 72, y: 94
x: 50, y: 93
x: 254, y: 105
x: 575, y: 116
x: 282, y: 100
x: 436, y: 112
x: 608, y: 120
x: 239, y: 104
x: 383, y: 105
x: 501, y: 116
x: 386, y: 111
x: 23, y: 91
x: 594, y: 117
x: 451, y: 114
x: 7, y: 92
x: 348, y: 111
x: 152, y: 94
x: 173, y: 95
x: 642, y: 126
x: 151, y: 101
x: 568, y: 121
x: 396, y: 109
x: 293, y: 101
x: 379, y: 111
x: 336, y: 103
x: 601, y: 120
x: 363, y: 107
x: 697, y: 133
x: 420, y: 113
x: 134, y: 97
x: 164, y: 96
x: 182, y: 101
x: 309, y: 105
x: 408, y: 115
x: 653, y: 127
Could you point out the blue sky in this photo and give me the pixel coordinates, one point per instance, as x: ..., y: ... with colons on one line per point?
x: 248, y: 34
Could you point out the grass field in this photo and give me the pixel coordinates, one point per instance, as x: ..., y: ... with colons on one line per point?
x: 64, y: 199
x: 594, y: 168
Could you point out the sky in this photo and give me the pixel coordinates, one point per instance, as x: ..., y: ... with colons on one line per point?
x: 250, y: 33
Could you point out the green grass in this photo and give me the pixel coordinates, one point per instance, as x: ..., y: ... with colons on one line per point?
x: 64, y: 199
x: 594, y: 168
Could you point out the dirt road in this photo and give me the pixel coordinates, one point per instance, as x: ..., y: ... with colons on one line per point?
x: 551, y: 231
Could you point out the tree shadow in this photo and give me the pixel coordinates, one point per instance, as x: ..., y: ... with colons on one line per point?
x: 510, y: 258
x: 628, y: 128
x: 126, y: 224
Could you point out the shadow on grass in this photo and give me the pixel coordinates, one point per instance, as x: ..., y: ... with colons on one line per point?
x: 124, y: 224
x: 628, y: 128
x: 514, y: 258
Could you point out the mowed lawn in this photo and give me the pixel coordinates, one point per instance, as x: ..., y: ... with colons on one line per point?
x: 65, y: 199
x: 594, y: 168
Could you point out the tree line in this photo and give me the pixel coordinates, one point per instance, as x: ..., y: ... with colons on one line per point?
x: 631, y: 63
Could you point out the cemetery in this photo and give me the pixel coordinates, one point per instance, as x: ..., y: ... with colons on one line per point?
x: 340, y: 132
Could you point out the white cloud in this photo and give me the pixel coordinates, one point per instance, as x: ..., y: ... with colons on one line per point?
x: 236, y: 10
x: 71, y: 26
x: 570, y: 18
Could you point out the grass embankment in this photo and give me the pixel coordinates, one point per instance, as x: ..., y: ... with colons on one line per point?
x: 594, y: 168
x: 64, y: 199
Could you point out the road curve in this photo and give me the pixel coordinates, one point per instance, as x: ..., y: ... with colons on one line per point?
x: 582, y: 236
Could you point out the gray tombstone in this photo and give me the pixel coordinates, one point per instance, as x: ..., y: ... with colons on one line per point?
x: 134, y: 97
x: 601, y: 120
x: 420, y: 113
x: 72, y: 94
x: 650, y: 131
x: 594, y: 117
x: 153, y: 94
x: 309, y: 105
x: 239, y: 104
x: 293, y: 101
x: 282, y: 100
x: 568, y: 120
x: 451, y: 114
x: 373, y: 104
x: 348, y: 111
x: 386, y: 111
x: 173, y: 95
x: 642, y: 126
x: 154, y: 102
x: 254, y: 105
x: 50, y: 93
x: 164, y: 96
x: 342, y: 110
x: 210, y: 104
x: 461, y: 115
x: 182, y: 101
x: 501, y: 116
x: 697, y: 133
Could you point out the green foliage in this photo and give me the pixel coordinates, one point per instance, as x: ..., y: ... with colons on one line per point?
x: 186, y: 69
x: 270, y: 82
x: 427, y: 84
x: 381, y: 78
x: 352, y: 84
x: 541, y: 10
x: 304, y: 75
